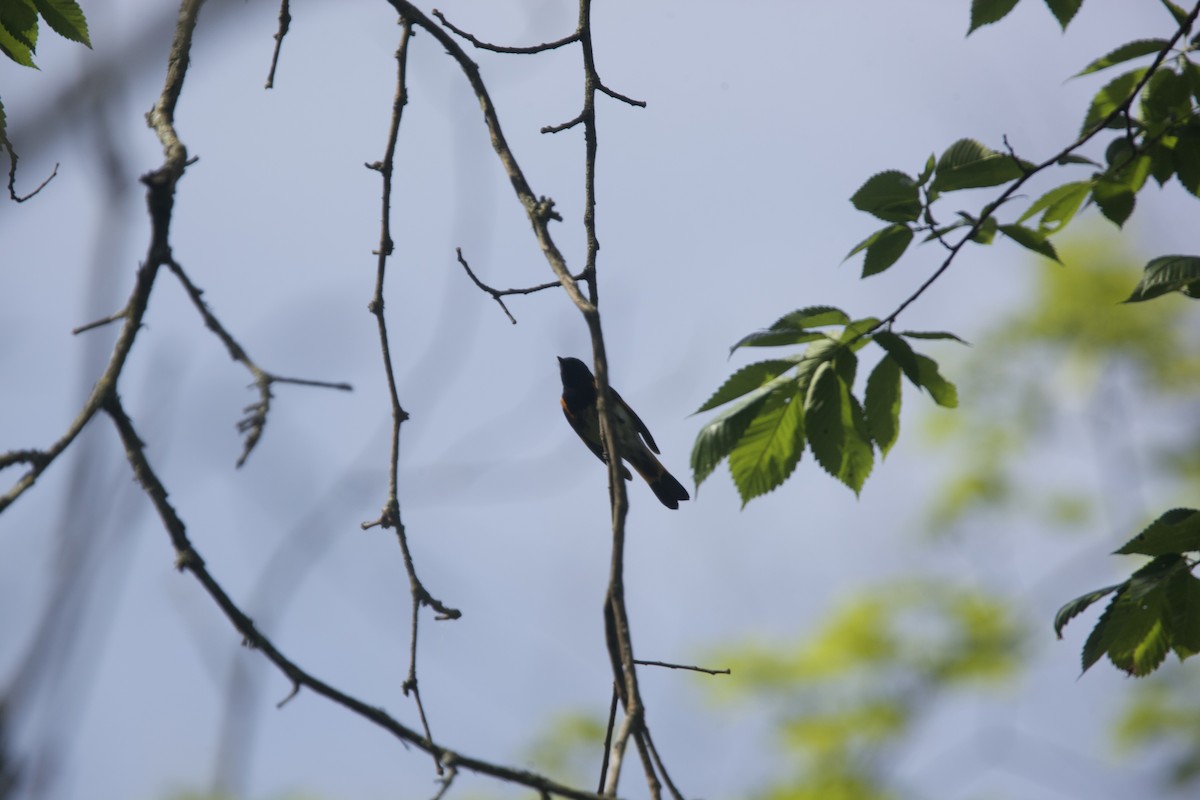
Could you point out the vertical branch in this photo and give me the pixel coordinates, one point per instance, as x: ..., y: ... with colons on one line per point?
x: 390, y: 517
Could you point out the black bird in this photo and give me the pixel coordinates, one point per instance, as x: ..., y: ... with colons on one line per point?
x: 634, y: 440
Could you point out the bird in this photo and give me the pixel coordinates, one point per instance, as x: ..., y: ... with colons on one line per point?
x: 636, y: 444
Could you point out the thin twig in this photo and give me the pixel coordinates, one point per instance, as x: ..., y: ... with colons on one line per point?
x: 498, y: 48
x: 497, y: 294
x: 390, y: 517
x: 285, y: 21
x: 99, y: 323
x: 608, y: 734
x: 12, y: 176
x: 705, y: 670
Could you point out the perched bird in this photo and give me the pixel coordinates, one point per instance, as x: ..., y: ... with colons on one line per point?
x: 636, y: 444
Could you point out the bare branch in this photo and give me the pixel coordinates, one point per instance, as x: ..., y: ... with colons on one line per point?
x: 496, y: 48
x: 189, y: 560
x: 497, y: 294
x: 705, y: 670
x: 285, y: 21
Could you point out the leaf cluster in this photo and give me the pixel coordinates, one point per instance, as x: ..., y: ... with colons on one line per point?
x: 1154, y: 612
x: 19, y: 23
x: 780, y: 407
x: 19, y: 26
x: 1154, y: 110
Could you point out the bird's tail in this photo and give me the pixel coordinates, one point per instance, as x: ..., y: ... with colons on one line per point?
x: 668, y: 490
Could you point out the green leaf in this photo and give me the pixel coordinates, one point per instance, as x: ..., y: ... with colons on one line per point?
x: 1168, y: 274
x: 1115, y: 94
x: 1126, y: 52
x: 967, y: 164
x: 1176, y: 531
x: 1138, y: 619
x: 935, y: 335
x: 943, y: 391
x: 769, y: 450
x: 1058, y: 206
x: 1186, y: 161
x: 854, y: 334
x: 888, y: 245
x: 1064, y: 10
x: 1115, y: 200
x: 1177, y: 12
x: 846, y: 364
x: 794, y: 328
x: 20, y: 19
x: 902, y: 353
x: 892, y: 196
x: 823, y: 419
x: 747, y: 379
x: 985, y: 12
x: 858, y: 457
x: 66, y: 18
x: 1077, y: 606
x: 986, y: 231
x: 11, y: 42
x: 1031, y: 240
x: 883, y: 404
x: 1183, y: 609
x: 927, y: 172
x: 1167, y: 96
x: 718, y: 438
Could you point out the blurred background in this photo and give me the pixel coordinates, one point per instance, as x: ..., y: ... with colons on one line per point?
x: 898, y: 644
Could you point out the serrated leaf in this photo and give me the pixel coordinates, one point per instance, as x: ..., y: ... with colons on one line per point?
x: 1138, y: 618
x: 1058, y: 206
x: 941, y: 390
x: 823, y: 419
x: 985, y: 12
x: 747, y: 379
x: 882, y: 400
x: 858, y: 457
x: 1174, y: 532
x: 768, y: 451
x: 1126, y: 52
x: 1114, y: 94
x: 1071, y: 610
x: 902, y: 353
x: 1183, y: 614
x: 968, y: 164
x: 1115, y: 200
x: 1064, y: 10
x: 1072, y: 158
x: 986, y: 232
x: 794, y: 328
x: 1185, y: 159
x: 1031, y: 240
x: 1167, y: 274
x: 66, y: 19
x: 892, y: 196
x: 718, y: 438
x: 15, y: 49
x: 19, y: 19
x: 888, y: 245
x: 1167, y: 96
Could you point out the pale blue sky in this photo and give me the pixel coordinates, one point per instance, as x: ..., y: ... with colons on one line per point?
x: 722, y: 205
